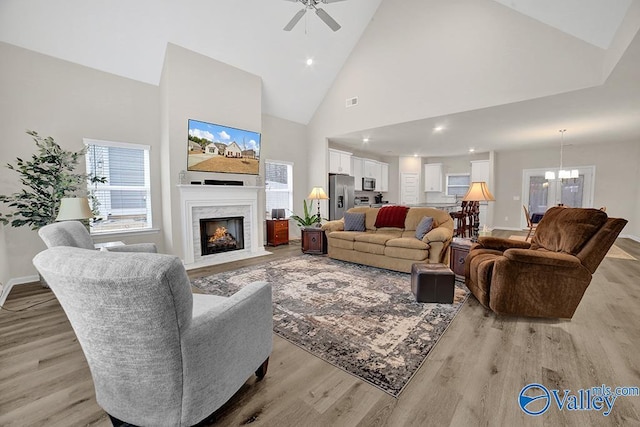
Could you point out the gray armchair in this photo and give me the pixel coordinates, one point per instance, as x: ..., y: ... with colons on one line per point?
x: 159, y: 355
x: 75, y: 234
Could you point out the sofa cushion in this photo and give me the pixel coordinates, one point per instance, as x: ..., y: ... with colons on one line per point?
x: 354, y: 221
x: 567, y: 229
x: 349, y: 236
x: 404, y: 253
x: 407, y: 242
x: 424, y: 227
x: 391, y: 216
x: 339, y: 243
x: 375, y: 238
x: 415, y: 215
x: 371, y: 248
x: 371, y: 214
x: 395, y: 232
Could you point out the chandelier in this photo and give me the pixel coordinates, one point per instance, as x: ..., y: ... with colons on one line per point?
x: 562, y: 173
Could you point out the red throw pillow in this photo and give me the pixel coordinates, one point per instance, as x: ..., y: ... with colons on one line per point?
x: 391, y: 216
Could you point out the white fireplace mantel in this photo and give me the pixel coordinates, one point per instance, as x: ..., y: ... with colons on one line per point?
x: 224, y: 200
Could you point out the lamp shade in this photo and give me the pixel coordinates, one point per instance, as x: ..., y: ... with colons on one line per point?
x: 74, y: 208
x: 318, y: 194
x: 478, y: 192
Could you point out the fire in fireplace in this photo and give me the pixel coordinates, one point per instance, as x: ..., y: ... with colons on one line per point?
x: 221, y: 234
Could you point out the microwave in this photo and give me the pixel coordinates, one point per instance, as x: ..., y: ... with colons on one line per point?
x: 368, y: 184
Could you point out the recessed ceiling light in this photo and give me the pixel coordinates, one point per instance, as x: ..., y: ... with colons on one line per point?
x: 309, y: 61
x: 415, y: 155
x: 471, y: 150
x: 438, y: 128
x: 365, y: 139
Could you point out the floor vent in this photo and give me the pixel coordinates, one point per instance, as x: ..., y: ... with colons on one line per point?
x: 352, y: 102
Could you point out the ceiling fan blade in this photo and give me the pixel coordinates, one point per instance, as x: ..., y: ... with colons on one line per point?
x: 294, y: 20
x: 327, y: 19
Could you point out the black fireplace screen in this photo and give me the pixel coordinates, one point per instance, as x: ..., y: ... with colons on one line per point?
x: 221, y: 234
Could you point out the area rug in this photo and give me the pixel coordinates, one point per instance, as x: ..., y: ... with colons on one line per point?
x: 614, y: 251
x: 361, y: 319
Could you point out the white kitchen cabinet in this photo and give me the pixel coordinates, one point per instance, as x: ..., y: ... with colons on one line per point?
x: 373, y: 169
x: 433, y: 177
x: 369, y: 168
x: 480, y: 171
x: 356, y: 171
x: 339, y: 162
x: 384, y: 177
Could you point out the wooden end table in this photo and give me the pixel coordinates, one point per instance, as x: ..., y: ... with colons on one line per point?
x: 314, y: 241
x: 277, y: 232
x: 459, y: 250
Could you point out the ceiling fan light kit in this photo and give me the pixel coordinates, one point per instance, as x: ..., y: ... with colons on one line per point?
x: 313, y: 4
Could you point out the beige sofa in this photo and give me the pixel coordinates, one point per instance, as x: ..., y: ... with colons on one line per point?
x: 391, y: 248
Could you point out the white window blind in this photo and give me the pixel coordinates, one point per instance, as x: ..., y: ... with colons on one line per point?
x: 279, y: 186
x: 123, y: 202
x: 458, y: 184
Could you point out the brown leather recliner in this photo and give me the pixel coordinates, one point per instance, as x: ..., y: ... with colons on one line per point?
x: 547, y: 277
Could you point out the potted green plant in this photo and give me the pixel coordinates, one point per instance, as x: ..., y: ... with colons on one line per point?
x: 47, y: 177
x: 309, y: 219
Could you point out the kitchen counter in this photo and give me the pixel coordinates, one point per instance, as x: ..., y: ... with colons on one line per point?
x: 449, y: 207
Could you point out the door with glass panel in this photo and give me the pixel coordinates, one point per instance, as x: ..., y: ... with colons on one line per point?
x: 539, y: 193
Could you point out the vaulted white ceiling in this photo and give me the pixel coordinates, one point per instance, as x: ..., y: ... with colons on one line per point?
x: 129, y: 38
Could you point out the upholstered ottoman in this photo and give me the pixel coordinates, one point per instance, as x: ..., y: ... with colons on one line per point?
x: 432, y: 283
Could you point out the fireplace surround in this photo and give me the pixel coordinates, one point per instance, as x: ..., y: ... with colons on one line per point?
x: 216, y: 201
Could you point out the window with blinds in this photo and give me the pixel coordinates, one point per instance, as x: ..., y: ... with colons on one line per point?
x: 279, y: 186
x: 123, y: 202
x: 458, y: 184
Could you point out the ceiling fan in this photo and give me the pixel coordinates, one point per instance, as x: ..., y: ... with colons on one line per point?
x: 312, y: 4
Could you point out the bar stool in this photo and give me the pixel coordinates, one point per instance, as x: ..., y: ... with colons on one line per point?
x: 460, y: 218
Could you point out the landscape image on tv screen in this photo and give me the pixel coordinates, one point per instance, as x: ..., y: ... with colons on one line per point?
x: 216, y: 148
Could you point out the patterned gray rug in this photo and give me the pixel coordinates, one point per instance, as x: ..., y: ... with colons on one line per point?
x: 361, y: 319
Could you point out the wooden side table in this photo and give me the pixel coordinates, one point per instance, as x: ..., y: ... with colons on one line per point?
x: 459, y: 251
x: 314, y: 241
x: 277, y: 232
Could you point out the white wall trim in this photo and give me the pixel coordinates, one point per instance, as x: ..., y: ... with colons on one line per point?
x: 629, y: 236
x: 14, y: 282
x: 498, y: 227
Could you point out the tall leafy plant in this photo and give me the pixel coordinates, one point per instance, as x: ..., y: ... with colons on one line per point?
x: 47, y: 177
x: 308, y: 219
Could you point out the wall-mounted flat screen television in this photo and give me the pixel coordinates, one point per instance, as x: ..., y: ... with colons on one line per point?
x: 223, y: 149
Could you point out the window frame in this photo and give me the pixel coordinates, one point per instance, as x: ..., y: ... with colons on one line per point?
x: 447, y: 185
x: 289, y: 189
x: 146, y: 187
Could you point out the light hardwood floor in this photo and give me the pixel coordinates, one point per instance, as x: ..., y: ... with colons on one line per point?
x: 472, y: 376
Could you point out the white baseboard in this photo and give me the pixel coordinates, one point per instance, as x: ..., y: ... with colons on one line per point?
x: 497, y: 227
x: 14, y: 282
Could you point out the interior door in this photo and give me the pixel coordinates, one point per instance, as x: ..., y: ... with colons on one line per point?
x: 539, y: 194
x: 409, y: 188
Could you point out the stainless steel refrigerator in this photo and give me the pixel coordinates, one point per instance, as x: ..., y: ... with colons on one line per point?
x: 341, y: 195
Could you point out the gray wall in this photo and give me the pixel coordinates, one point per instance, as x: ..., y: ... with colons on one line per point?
x: 617, y: 179
x: 68, y: 102
x: 4, y: 261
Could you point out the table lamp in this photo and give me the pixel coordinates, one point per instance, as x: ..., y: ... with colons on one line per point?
x: 74, y: 208
x: 318, y: 194
x: 478, y: 192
